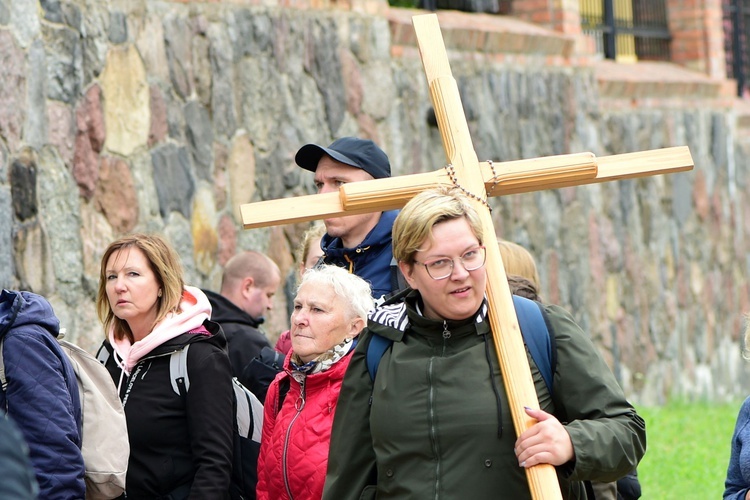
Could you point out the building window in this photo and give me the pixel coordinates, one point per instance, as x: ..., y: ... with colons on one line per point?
x: 627, y: 30
x: 736, y: 36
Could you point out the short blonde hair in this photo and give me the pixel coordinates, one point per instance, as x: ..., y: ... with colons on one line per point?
x: 414, y: 223
x: 165, y: 264
x: 350, y: 288
x: 518, y: 261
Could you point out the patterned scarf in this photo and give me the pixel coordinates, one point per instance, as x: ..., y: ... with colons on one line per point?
x: 300, y: 369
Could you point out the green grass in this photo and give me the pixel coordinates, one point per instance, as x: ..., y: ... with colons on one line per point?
x: 408, y: 4
x: 688, y: 450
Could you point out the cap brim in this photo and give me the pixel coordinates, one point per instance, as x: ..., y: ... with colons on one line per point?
x: 310, y: 154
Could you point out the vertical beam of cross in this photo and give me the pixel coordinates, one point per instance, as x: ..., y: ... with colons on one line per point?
x: 459, y: 151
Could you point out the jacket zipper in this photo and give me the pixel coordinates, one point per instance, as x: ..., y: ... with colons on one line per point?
x: 433, y: 428
x: 131, y: 381
x: 299, y: 405
x: 134, y: 374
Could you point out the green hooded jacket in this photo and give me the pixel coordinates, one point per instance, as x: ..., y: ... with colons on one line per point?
x: 436, y: 422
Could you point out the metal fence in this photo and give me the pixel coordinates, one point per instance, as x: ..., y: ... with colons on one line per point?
x: 736, y: 37
x: 628, y: 29
x: 491, y: 6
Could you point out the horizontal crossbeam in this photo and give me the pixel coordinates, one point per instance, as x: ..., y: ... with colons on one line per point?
x: 513, y: 177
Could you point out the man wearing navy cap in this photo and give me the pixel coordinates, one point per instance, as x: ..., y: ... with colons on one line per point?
x: 361, y: 243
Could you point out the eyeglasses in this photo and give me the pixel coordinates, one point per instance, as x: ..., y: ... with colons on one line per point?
x: 442, y: 268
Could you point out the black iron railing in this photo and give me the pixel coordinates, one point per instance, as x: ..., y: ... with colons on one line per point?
x: 491, y: 6
x: 628, y: 29
x: 736, y: 42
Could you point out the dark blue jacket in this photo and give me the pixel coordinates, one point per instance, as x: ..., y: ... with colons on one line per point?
x: 737, y: 482
x: 42, y: 394
x: 244, y: 337
x: 371, y: 259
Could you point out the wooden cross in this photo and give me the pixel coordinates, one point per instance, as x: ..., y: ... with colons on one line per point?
x: 498, y: 179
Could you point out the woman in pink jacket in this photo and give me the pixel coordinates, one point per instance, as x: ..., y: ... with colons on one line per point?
x: 330, y: 310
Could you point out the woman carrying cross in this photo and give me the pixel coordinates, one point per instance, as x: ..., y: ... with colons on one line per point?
x: 434, y: 421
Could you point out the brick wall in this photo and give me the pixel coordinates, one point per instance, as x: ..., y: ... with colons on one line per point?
x: 560, y: 15
x: 378, y: 7
x: 698, y: 35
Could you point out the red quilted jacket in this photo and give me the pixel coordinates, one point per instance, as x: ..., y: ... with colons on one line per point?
x: 294, y: 447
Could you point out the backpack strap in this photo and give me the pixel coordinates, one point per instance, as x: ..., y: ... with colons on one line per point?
x: 178, y: 371
x: 243, y: 410
x: 375, y: 350
x: 102, y: 354
x: 534, y: 328
x: 537, y: 337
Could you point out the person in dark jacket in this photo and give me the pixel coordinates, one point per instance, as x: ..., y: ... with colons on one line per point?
x: 42, y: 393
x: 737, y: 482
x: 523, y: 278
x: 518, y: 261
x: 249, y: 282
x: 180, y: 439
x: 18, y: 480
x: 435, y: 421
x: 359, y: 243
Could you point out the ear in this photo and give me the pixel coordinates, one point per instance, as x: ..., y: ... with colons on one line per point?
x: 408, y: 270
x: 247, y: 285
x: 358, y: 324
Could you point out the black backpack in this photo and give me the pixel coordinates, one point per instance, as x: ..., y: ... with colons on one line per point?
x: 261, y: 370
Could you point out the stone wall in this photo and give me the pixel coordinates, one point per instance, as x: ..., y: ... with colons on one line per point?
x: 165, y: 117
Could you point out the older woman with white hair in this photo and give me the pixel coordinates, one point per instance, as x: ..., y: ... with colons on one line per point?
x: 330, y: 309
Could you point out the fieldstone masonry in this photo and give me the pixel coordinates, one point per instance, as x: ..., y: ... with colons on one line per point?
x: 162, y: 116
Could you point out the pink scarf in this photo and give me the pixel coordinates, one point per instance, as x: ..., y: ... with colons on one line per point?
x: 194, y: 310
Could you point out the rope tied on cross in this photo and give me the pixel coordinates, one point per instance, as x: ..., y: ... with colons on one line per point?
x: 451, y: 171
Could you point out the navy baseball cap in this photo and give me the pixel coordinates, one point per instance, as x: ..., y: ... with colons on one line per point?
x: 352, y: 151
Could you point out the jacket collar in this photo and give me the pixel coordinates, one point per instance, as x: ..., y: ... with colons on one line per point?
x: 392, y: 319
x: 224, y: 310
x: 378, y: 237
